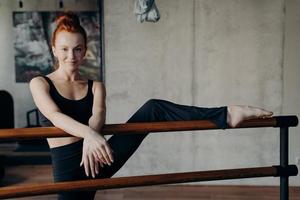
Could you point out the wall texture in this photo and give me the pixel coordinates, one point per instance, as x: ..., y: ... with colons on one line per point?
x: 291, y: 72
x: 205, y: 53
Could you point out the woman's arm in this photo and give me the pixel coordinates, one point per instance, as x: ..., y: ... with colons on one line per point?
x: 97, y: 119
x: 95, y: 146
x: 40, y: 93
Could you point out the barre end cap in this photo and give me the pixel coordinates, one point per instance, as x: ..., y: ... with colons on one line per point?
x: 286, y: 121
x: 290, y: 170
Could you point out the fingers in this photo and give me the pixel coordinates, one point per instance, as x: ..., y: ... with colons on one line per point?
x: 99, y: 157
x: 109, y: 153
x: 97, y: 168
x: 92, y: 165
x: 94, y: 155
x: 86, y: 166
x: 105, y: 154
x: 99, y: 161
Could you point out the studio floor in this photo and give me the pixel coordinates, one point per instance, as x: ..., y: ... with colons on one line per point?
x: 22, y: 174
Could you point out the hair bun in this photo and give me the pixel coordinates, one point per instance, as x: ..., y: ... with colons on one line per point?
x: 67, y: 18
x: 69, y: 22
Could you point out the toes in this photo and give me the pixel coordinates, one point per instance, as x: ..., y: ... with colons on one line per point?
x: 264, y: 113
x: 238, y: 114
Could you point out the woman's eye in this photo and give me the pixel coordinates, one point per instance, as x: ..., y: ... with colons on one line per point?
x: 65, y: 49
x: 78, y: 49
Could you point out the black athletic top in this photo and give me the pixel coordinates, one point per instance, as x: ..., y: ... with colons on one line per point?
x: 80, y: 110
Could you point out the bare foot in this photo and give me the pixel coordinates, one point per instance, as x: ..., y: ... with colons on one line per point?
x: 237, y: 114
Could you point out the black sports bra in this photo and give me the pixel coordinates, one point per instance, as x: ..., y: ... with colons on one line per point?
x: 80, y: 110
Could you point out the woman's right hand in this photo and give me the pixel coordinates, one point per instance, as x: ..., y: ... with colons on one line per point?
x: 96, y: 151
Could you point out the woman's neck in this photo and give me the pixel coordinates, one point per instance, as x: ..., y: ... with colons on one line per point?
x: 68, y: 75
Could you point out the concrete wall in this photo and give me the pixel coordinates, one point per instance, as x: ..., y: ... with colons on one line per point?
x: 291, y: 100
x: 206, y: 53
x: 22, y: 99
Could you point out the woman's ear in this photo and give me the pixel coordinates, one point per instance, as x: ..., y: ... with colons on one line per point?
x: 53, y: 51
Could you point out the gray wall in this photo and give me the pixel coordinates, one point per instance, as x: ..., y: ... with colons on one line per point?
x: 201, y: 52
x: 291, y: 83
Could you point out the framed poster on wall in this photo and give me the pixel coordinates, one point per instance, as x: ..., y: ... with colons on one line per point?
x: 32, y: 44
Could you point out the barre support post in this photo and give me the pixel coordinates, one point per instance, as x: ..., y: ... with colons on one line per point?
x: 284, y: 161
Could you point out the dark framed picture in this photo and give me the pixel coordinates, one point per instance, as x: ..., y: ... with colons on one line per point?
x: 32, y: 44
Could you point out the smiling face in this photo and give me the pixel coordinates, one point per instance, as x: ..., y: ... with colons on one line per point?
x: 69, y: 49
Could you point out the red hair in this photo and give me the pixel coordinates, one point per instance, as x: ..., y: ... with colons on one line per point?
x: 68, y: 21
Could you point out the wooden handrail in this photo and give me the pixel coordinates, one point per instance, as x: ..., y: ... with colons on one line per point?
x: 283, y: 171
x: 133, y: 181
x: 146, y: 127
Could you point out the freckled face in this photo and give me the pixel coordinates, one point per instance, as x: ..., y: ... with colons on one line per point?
x: 69, y: 49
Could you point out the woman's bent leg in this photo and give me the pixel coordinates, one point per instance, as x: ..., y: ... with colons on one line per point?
x: 66, y: 167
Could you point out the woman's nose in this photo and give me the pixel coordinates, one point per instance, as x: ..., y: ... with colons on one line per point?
x: 71, y: 54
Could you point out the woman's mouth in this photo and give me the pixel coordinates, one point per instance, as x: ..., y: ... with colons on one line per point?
x: 71, y: 62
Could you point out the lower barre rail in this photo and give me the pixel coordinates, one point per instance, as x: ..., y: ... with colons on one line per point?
x: 147, y: 180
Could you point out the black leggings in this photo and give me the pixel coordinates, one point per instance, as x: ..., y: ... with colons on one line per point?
x: 66, y: 159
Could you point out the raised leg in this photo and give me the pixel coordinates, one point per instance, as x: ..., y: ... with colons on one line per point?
x: 157, y: 110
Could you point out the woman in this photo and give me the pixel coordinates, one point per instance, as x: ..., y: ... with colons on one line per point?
x: 77, y: 106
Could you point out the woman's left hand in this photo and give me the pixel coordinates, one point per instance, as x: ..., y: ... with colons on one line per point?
x: 96, y: 151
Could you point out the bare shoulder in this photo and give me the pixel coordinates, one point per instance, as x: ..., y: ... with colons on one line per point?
x: 98, y: 83
x: 37, y: 79
x: 98, y: 86
x: 38, y: 83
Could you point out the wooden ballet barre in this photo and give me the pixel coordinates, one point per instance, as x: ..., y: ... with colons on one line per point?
x: 146, y: 127
x: 134, y: 181
x: 284, y: 170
